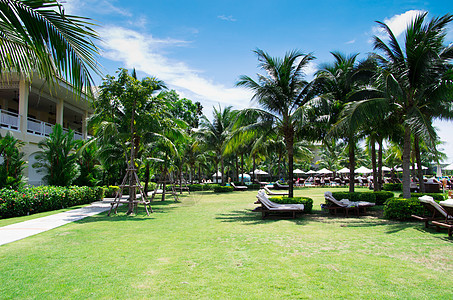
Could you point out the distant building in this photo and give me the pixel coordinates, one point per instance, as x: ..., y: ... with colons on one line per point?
x: 30, y: 110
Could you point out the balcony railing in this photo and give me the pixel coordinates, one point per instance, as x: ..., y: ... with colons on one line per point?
x: 45, y: 129
x: 9, y: 120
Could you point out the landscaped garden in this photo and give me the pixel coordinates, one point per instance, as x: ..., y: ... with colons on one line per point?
x: 213, y: 246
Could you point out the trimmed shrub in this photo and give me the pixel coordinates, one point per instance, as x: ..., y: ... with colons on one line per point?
x: 402, y: 209
x: 110, y: 192
x: 374, y: 197
x: 436, y: 196
x: 223, y: 189
x: 254, y: 186
x: 307, y: 202
x: 382, y: 196
x: 392, y: 187
x: 14, y: 203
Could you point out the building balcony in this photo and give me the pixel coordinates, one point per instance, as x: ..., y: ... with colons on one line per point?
x: 11, y: 121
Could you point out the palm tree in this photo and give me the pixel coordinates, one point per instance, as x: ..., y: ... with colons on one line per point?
x: 337, y: 84
x: 282, y: 94
x: 214, y: 134
x: 37, y: 36
x: 416, y: 80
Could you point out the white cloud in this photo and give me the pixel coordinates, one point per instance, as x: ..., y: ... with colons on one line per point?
x: 311, y: 69
x: 397, y: 23
x: 350, y: 42
x: 227, y: 18
x: 105, y: 7
x: 147, y: 54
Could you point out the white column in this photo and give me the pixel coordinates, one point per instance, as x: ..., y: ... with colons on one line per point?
x: 84, y: 125
x: 24, y: 91
x: 59, y: 114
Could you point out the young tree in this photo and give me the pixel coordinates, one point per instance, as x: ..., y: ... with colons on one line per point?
x: 12, y: 163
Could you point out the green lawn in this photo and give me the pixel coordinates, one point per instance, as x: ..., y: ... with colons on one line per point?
x: 213, y: 246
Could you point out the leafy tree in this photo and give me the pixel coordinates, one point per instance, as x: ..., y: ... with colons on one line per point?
x: 37, y: 36
x: 57, y: 158
x: 183, y: 108
x: 282, y: 94
x: 12, y: 163
x: 88, y: 161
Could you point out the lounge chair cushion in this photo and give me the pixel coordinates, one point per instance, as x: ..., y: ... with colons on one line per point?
x: 430, y: 200
x: 448, y: 202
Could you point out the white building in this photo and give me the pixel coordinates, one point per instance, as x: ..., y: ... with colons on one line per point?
x: 30, y: 110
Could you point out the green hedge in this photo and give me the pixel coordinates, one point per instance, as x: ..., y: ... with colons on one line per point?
x: 392, y: 187
x: 436, y: 196
x: 307, y: 202
x: 14, y: 203
x: 402, y: 209
x: 223, y: 189
x: 202, y: 187
x: 374, y: 197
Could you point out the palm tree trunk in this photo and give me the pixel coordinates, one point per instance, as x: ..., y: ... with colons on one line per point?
x: 237, y: 167
x: 290, y: 149
x: 407, y: 163
x: 242, y: 168
x: 199, y: 174
x: 254, y: 167
x: 373, y: 161
x: 351, y: 165
x: 279, y: 164
x: 222, y: 165
x: 421, y: 182
x: 379, y: 181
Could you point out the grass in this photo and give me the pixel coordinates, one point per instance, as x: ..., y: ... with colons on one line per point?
x: 213, y: 246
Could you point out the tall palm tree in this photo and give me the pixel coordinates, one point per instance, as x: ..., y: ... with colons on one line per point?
x: 37, y: 36
x: 416, y: 79
x: 282, y: 94
x: 337, y: 84
x: 214, y: 134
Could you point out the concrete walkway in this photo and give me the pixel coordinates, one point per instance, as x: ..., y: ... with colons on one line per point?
x: 24, y: 229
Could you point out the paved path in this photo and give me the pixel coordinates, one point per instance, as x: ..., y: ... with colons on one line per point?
x: 24, y: 229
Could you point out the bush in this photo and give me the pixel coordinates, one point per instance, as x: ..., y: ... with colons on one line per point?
x: 374, y: 197
x: 382, y: 196
x: 110, y: 192
x: 307, y: 202
x: 436, y: 196
x: 392, y: 187
x: 402, y: 209
x: 223, y: 189
x: 254, y: 186
x: 14, y: 203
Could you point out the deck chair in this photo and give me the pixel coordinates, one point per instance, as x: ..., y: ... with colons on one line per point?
x: 333, y: 205
x: 435, y: 212
x: 447, y: 205
x: 268, y: 207
x: 238, y: 187
x: 281, y: 186
x: 269, y: 192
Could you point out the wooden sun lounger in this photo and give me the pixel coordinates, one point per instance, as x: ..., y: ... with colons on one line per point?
x: 281, y: 186
x: 238, y: 187
x: 269, y: 192
x: 440, y: 214
x: 334, y: 205
x: 268, y: 207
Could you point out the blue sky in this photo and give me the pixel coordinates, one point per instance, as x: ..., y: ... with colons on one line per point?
x: 200, y: 48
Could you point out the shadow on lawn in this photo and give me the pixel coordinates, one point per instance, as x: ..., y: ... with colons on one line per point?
x: 248, y: 217
x: 159, y: 207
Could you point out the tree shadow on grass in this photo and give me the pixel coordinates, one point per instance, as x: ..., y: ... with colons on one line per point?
x: 158, y: 207
x: 249, y: 217
x: 442, y: 234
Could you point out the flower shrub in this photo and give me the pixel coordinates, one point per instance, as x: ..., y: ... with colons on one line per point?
x: 402, y: 209
x: 307, y: 202
x: 14, y: 203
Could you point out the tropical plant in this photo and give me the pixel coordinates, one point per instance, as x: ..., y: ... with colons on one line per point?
x: 282, y: 94
x: 12, y: 163
x: 57, y: 158
x: 38, y: 37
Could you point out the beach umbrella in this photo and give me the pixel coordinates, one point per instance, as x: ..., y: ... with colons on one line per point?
x: 298, y: 171
x: 246, y: 176
x: 423, y: 168
x: 363, y: 170
x: 448, y: 168
x: 386, y: 169
x: 399, y: 169
x: 343, y: 171
x: 311, y: 172
x: 324, y: 171
x: 218, y: 174
x: 259, y: 172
